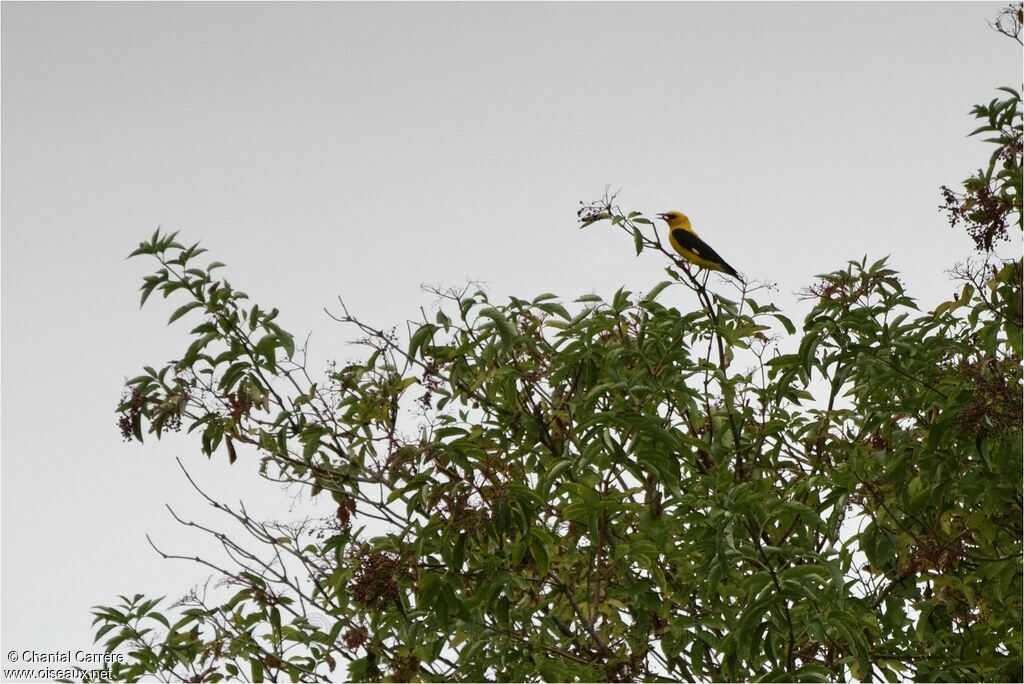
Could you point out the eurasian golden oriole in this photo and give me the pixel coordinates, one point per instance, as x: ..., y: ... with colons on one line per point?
x: 689, y: 245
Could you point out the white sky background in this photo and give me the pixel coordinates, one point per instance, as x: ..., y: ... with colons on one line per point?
x: 364, y: 149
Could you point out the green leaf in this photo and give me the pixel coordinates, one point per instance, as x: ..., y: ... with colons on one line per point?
x: 555, y: 308
x: 556, y: 469
x: 786, y: 323
x: 459, y: 552
x: 540, y: 555
x: 505, y: 329
x: 182, y: 310
x: 419, y: 338
x: 657, y: 290
x: 982, y: 447
x: 502, y: 610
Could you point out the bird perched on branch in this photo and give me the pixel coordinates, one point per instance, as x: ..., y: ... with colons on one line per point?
x: 685, y: 241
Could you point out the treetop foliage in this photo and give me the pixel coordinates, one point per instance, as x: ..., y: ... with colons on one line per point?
x: 675, y: 484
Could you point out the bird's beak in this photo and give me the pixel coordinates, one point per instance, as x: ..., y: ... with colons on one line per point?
x: 661, y: 216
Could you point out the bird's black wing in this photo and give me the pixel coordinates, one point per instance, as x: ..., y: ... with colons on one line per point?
x: 700, y: 248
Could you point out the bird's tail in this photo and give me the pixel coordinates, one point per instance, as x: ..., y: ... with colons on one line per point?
x: 729, y: 270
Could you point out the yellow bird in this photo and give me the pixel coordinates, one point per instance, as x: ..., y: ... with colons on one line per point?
x: 685, y: 241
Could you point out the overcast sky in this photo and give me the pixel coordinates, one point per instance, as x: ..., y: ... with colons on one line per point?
x: 362, y: 150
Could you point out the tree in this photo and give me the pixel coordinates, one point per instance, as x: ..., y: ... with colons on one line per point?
x: 670, y: 484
